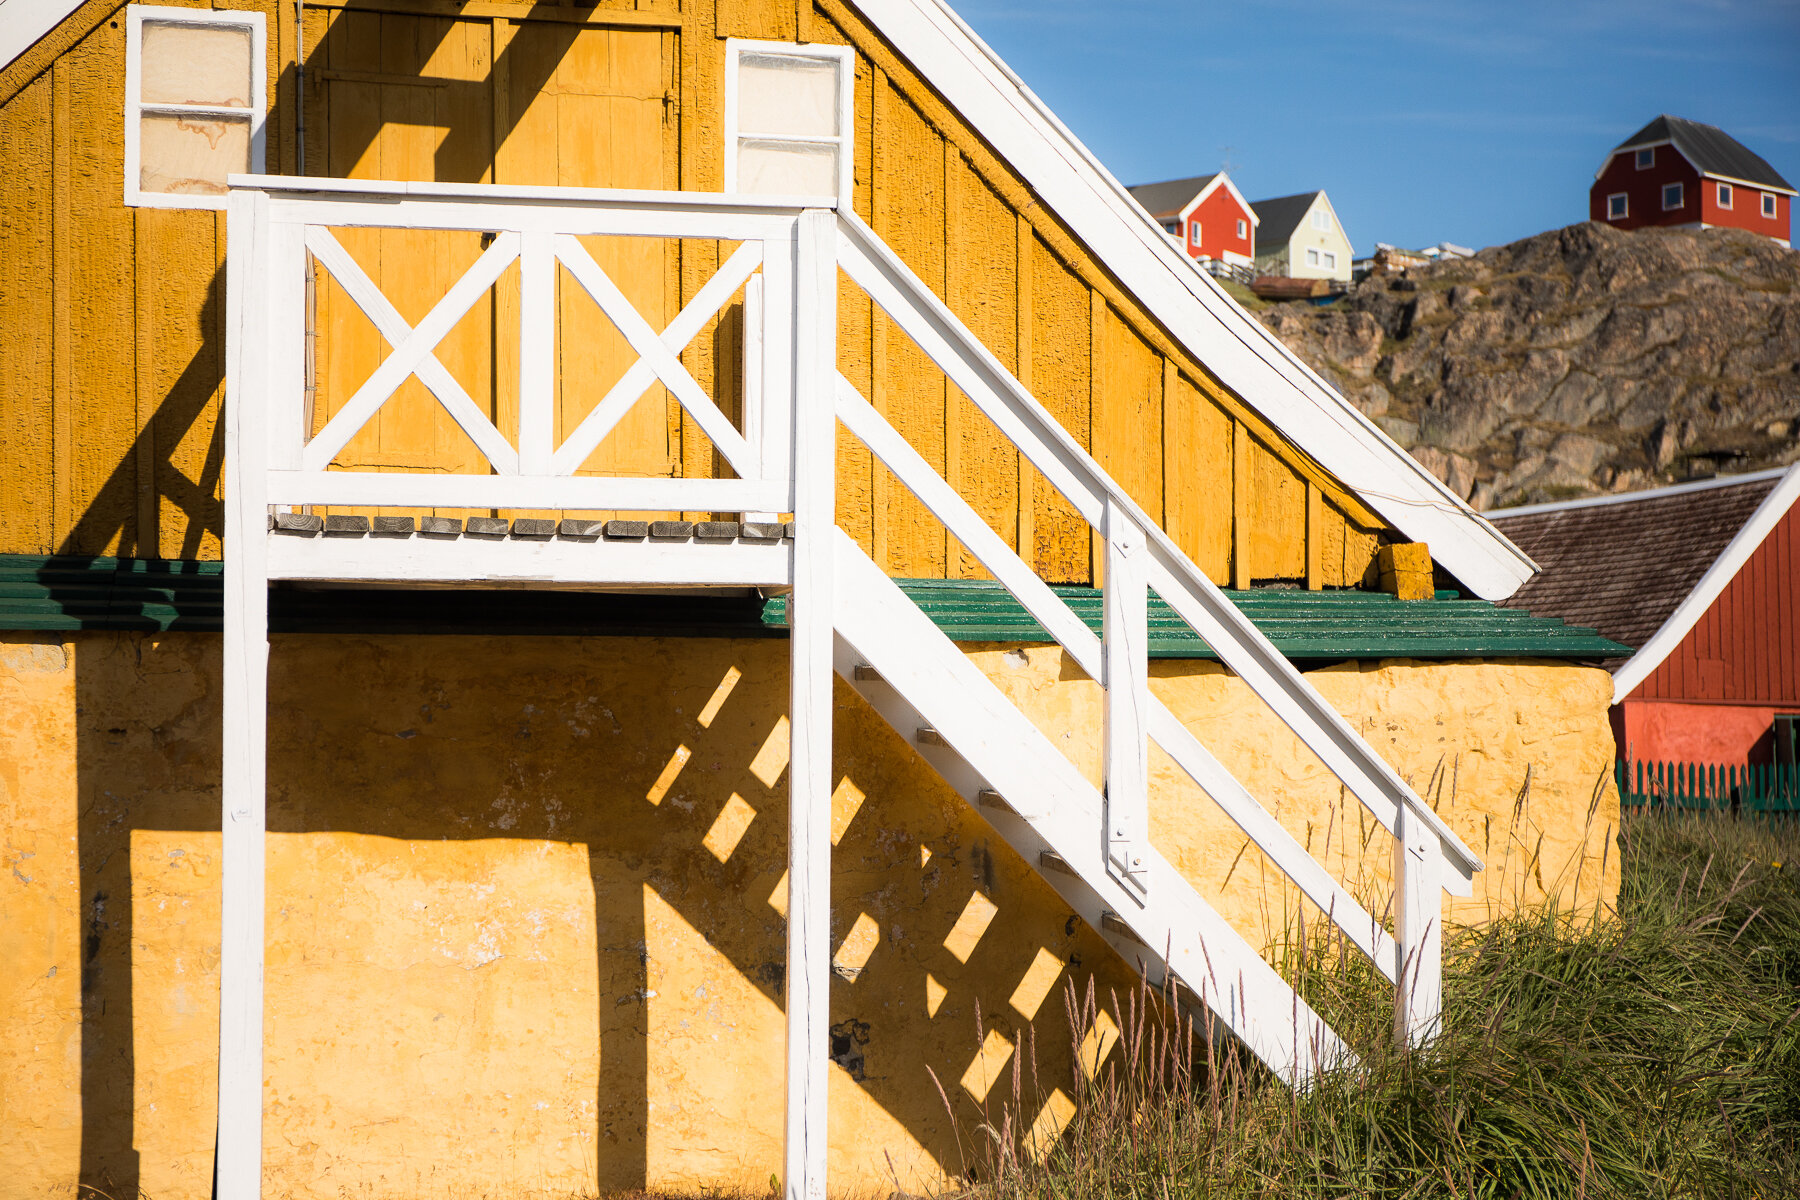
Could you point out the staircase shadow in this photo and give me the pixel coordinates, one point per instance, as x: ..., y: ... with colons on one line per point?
x: 628, y: 793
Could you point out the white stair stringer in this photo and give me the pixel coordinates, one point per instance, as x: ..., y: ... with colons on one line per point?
x: 985, y: 742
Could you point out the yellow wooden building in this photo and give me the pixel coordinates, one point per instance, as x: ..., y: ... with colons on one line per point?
x: 525, y: 864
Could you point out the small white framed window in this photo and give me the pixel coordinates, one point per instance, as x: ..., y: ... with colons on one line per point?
x: 1312, y: 257
x: 1321, y: 220
x: 1646, y: 158
x: 1616, y: 206
x: 1769, y: 204
x: 195, y: 100
x: 1194, y: 232
x: 1243, y: 228
x: 789, y: 119
x: 1330, y: 257
x: 1724, y: 195
x: 1674, y: 196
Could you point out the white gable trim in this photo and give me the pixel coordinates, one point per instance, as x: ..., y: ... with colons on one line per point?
x: 1217, y: 180
x: 1731, y: 560
x: 24, y: 22
x: 1244, y: 355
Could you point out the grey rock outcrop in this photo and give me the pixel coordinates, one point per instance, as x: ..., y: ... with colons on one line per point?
x: 1579, y: 361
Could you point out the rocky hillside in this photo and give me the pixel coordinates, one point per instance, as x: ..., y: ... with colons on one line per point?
x: 1579, y: 361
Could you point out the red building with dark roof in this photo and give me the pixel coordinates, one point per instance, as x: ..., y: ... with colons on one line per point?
x: 1703, y: 581
x: 1679, y: 172
x: 1206, y: 214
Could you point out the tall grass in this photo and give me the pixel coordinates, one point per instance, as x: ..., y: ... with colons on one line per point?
x: 1656, y: 1055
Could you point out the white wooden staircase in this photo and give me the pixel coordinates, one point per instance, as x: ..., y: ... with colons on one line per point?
x: 1091, y: 844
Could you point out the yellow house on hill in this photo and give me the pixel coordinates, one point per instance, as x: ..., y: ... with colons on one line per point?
x: 601, y: 596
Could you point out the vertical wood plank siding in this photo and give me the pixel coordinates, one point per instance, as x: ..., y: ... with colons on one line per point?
x: 1746, y: 648
x: 110, y: 387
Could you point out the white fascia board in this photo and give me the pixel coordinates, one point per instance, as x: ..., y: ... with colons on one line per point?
x: 1679, y: 489
x: 1635, y: 146
x: 1187, y: 210
x: 1687, y: 614
x: 23, y: 22
x: 1248, y: 359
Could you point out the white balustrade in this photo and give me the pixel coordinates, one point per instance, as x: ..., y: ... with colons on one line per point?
x: 844, y: 613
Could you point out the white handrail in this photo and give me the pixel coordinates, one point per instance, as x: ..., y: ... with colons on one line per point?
x: 1194, y: 597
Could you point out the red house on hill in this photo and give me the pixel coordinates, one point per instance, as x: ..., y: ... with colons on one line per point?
x: 1206, y: 214
x: 1683, y: 173
x: 1703, y: 579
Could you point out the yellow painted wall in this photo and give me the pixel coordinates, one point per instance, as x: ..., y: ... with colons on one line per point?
x: 524, y: 931
x: 110, y: 381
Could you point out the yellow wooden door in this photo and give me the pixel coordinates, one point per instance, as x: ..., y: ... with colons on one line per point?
x: 394, y: 96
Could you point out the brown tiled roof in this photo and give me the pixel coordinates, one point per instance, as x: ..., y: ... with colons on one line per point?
x: 1622, y: 565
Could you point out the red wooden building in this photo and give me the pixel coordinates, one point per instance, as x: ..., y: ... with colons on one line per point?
x: 1206, y: 214
x: 1683, y: 173
x: 1703, y: 579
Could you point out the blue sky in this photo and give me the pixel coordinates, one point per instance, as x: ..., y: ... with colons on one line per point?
x: 1425, y: 121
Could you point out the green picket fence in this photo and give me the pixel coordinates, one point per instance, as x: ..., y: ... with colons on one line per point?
x: 1745, y: 787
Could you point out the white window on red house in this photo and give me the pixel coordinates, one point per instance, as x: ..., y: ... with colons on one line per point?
x: 1243, y: 228
x: 194, y: 104
x: 788, y: 109
x: 1724, y: 195
x: 1194, y: 233
x: 1768, y: 204
x: 1673, y: 196
x: 1616, y: 206
x: 1646, y: 158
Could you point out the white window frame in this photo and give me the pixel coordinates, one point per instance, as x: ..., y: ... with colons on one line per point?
x: 1643, y: 163
x: 1194, y: 234
x: 1321, y: 220
x: 1680, y: 196
x: 1243, y: 228
x: 1771, y: 207
x: 1312, y: 256
x: 1624, y: 199
x: 845, y: 58
x: 1724, y: 195
x: 1329, y: 258
x: 136, y: 15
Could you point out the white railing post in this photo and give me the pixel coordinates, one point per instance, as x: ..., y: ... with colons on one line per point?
x: 811, y: 668
x: 250, y: 380
x: 284, y: 280
x: 1126, y: 665
x: 537, y: 352
x: 1418, y: 930
x: 755, y: 420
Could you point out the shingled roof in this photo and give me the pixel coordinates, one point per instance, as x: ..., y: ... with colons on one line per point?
x: 1278, y: 218
x: 1623, y: 564
x: 1710, y: 149
x: 1165, y: 200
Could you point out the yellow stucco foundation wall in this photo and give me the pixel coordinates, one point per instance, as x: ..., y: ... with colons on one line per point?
x: 524, y: 903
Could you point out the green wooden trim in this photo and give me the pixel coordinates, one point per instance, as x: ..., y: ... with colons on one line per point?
x: 55, y: 594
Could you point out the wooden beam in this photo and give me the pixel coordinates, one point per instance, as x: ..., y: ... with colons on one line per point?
x: 1315, y: 537
x: 1241, y: 478
x: 810, y: 656
x: 1418, y: 930
x: 238, y: 1169
x: 488, y: 9
x: 1023, y: 315
x: 1126, y: 648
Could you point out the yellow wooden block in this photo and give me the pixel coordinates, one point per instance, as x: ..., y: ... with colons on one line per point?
x: 1406, y: 570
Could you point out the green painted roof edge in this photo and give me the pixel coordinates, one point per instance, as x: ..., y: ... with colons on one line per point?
x: 58, y: 593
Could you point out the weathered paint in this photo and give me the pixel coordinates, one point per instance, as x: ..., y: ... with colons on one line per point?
x: 525, y: 901
x: 111, y: 379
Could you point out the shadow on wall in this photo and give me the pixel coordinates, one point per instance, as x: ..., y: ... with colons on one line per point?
x: 525, y: 922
